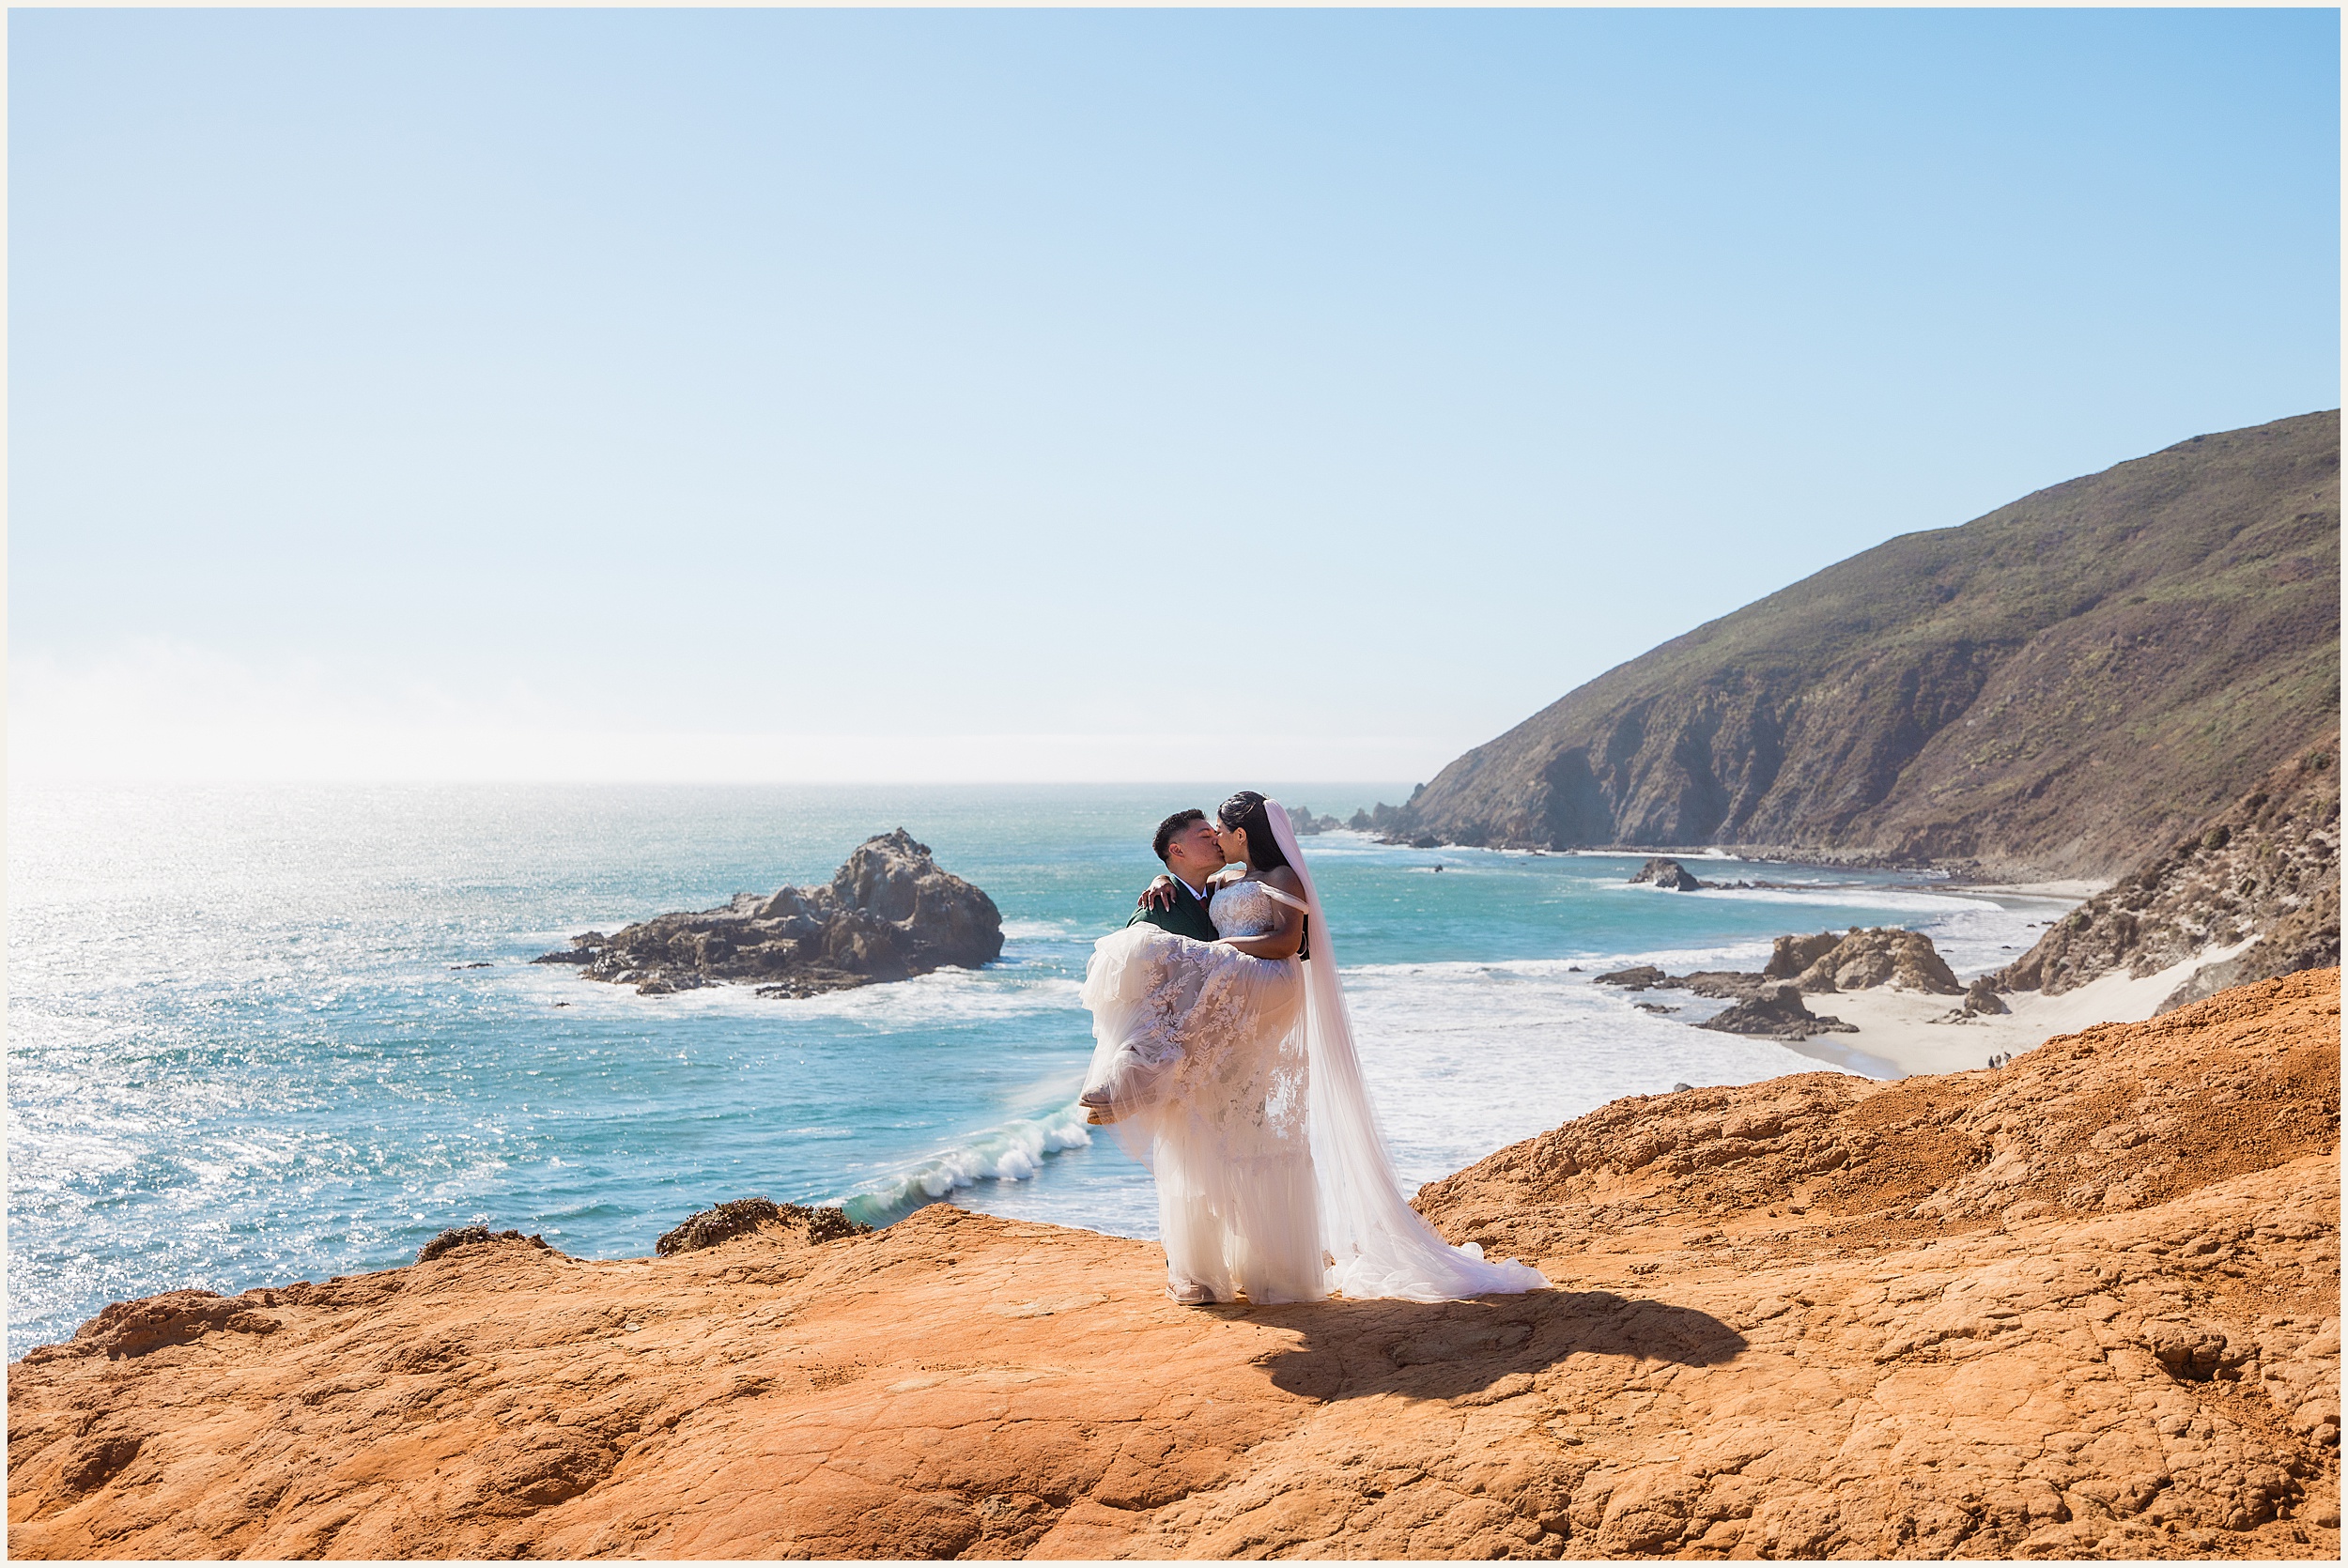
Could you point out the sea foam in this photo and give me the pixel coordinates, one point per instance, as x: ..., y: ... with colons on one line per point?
x: 1012, y: 1151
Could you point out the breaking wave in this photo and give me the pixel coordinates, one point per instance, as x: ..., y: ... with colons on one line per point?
x: 1013, y: 1151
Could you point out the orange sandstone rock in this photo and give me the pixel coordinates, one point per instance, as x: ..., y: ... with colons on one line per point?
x: 2085, y: 1305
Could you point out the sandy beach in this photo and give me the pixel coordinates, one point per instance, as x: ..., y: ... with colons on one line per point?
x: 2077, y: 890
x: 1901, y: 1033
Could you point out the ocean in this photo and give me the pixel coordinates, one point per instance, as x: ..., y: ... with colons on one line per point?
x: 261, y: 1033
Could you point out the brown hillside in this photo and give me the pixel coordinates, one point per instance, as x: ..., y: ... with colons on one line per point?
x: 2047, y: 691
x: 2084, y: 1306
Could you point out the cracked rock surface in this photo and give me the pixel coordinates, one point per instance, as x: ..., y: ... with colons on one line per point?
x: 2085, y: 1306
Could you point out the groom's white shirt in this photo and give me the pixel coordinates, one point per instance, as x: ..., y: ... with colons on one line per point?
x: 1195, y: 893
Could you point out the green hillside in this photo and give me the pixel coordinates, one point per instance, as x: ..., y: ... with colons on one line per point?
x: 2045, y: 691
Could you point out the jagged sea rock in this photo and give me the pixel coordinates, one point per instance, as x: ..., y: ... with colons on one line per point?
x: 888, y: 913
x: 1731, y: 985
x: 2084, y: 1306
x: 1857, y: 960
x: 1777, y: 1013
x: 1880, y: 956
x: 1791, y: 955
x: 1305, y: 825
x: 1665, y: 873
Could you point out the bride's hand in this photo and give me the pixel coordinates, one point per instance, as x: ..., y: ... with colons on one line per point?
x: 1158, y: 895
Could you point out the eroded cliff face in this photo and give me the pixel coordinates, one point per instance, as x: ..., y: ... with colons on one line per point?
x: 2043, y: 692
x: 2267, y: 868
x: 2084, y: 1305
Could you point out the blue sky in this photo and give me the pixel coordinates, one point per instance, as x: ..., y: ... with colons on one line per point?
x: 1049, y: 394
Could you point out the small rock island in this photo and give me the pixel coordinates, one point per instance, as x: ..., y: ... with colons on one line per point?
x: 1668, y: 874
x: 889, y: 913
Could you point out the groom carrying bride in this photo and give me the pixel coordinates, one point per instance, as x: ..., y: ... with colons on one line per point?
x: 1225, y: 1061
x: 1192, y: 852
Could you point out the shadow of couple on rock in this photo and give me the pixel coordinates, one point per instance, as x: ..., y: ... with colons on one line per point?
x: 1489, y: 1346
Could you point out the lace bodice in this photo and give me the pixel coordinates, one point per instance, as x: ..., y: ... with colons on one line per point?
x: 1242, y: 909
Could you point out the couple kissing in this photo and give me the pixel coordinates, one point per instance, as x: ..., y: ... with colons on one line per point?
x: 1224, y: 1061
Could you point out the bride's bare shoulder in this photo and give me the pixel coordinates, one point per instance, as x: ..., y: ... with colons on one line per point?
x: 1285, y: 879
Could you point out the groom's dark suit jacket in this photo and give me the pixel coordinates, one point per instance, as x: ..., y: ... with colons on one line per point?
x: 1188, y: 917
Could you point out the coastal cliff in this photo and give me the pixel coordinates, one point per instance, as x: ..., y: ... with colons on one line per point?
x: 2086, y: 1305
x: 889, y: 913
x: 2264, y: 872
x: 2046, y: 692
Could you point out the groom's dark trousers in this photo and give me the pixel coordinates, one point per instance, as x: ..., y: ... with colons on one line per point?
x: 1188, y: 917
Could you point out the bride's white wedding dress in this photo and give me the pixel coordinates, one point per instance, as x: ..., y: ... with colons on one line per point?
x: 1235, y: 1080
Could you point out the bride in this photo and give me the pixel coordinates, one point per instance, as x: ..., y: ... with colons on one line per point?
x: 1228, y: 1067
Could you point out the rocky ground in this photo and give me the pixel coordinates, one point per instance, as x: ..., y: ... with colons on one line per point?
x: 888, y: 913
x: 2086, y: 1305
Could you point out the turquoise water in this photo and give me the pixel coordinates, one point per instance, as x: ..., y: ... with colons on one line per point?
x: 245, y: 1044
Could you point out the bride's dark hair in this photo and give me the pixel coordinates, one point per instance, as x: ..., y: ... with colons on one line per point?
x: 1245, y: 811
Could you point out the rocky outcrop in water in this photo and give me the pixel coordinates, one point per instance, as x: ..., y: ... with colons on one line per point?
x: 1869, y: 956
x: 1790, y: 955
x: 1770, y: 1004
x: 1667, y: 874
x: 1776, y: 1013
x: 2087, y: 1306
x: 889, y: 913
x: 2267, y: 868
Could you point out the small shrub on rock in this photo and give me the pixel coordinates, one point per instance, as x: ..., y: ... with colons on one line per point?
x: 744, y: 1214
x: 464, y: 1236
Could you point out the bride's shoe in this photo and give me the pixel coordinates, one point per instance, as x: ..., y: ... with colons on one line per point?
x: 1190, y: 1293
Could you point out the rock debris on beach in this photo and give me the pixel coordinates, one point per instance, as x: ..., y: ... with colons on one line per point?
x: 2086, y: 1305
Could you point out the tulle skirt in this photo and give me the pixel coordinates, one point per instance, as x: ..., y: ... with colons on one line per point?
x: 1199, y: 1065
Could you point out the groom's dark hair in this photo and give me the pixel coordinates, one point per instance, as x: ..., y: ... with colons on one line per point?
x: 1172, y: 825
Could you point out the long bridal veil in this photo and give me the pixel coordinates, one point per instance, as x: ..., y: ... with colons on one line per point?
x: 1379, y: 1245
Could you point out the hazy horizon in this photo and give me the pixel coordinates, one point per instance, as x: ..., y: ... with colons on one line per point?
x: 862, y: 397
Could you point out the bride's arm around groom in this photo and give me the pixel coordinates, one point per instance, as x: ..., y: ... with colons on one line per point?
x: 1187, y: 843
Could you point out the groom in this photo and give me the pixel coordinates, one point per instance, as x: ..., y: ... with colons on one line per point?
x: 1186, y: 842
